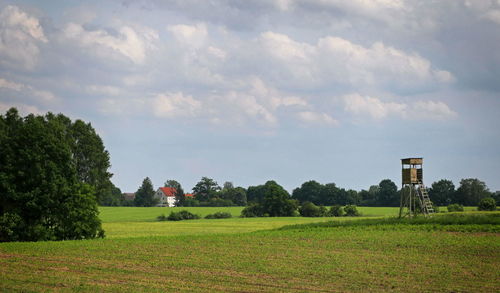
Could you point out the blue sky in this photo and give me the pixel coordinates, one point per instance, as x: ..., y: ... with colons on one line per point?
x: 248, y: 91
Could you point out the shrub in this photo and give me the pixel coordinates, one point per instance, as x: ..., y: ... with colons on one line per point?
x: 308, y: 209
x: 161, y: 217
x: 191, y: 202
x: 251, y: 211
x: 219, y: 215
x: 487, y: 204
x: 182, y: 215
x: 351, y: 211
x: 455, y: 208
x: 336, y: 211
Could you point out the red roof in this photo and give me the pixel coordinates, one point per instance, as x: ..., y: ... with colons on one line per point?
x: 168, y: 191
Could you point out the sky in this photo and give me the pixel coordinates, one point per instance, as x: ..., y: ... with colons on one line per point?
x: 251, y: 91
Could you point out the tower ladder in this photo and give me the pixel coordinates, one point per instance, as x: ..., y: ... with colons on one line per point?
x: 425, y: 200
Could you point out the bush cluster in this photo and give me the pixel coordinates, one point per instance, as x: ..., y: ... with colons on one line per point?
x: 487, y: 204
x: 178, y: 216
x: 308, y: 209
x: 219, y: 215
x: 455, y: 208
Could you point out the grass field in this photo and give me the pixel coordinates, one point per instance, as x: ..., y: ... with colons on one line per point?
x: 215, y: 255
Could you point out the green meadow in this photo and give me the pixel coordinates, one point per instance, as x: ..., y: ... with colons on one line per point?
x: 457, y: 252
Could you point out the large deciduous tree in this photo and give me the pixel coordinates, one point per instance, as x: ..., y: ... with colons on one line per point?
x: 277, y: 201
x: 388, y: 195
x: 42, y: 196
x: 471, y: 191
x: 310, y: 191
x: 206, y: 189
x: 442, y: 192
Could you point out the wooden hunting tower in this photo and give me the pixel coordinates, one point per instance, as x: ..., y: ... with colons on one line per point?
x: 413, y: 191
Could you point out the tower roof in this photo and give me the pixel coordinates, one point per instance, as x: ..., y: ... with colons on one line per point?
x: 412, y: 161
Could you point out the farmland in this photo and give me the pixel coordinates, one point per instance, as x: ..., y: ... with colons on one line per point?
x: 252, y: 255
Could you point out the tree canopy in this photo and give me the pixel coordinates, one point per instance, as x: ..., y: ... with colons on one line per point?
x: 205, y: 189
x: 471, y: 191
x: 442, y: 192
x: 144, y: 196
x: 43, y: 193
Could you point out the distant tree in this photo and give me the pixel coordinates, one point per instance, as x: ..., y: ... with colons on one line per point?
x: 205, y: 189
x: 471, y: 191
x: 255, y: 193
x: 277, y: 201
x: 42, y: 196
x: 330, y: 194
x: 235, y: 195
x: 496, y: 197
x: 180, y: 198
x: 227, y: 185
x: 388, y: 194
x: 310, y: 191
x: 442, y: 192
x: 487, y: 204
x: 113, y: 197
x: 144, y: 196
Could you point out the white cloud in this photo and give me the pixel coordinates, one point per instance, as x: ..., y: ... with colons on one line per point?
x: 44, y: 95
x: 493, y: 15
x: 375, y: 108
x: 170, y: 105
x: 193, y: 36
x: 133, y: 43
x: 432, y: 110
x: 37, y: 94
x: 10, y: 85
x: 337, y: 60
x: 310, y: 117
x: 22, y: 108
x: 20, y: 36
x: 103, y: 90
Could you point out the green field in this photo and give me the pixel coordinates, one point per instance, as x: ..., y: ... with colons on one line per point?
x: 231, y: 255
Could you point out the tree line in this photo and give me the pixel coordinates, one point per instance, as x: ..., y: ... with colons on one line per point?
x: 207, y: 192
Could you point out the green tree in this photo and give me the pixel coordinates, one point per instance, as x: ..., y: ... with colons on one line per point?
x: 330, y: 194
x: 113, y: 197
x: 310, y: 191
x: 91, y: 159
x: 388, y: 194
x: 255, y: 193
x: 41, y: 196
x: 471, y: 191
x: 277, y: 201
x: 442, y: 192
x: 144, y: 196
x: 234, y: 195
x: 205, y: 189
x: 180, y: 198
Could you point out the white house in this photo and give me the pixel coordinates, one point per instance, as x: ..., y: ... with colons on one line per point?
x: 166, y: 196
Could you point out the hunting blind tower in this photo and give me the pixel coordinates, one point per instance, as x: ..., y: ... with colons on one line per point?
x: 414, y: 195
